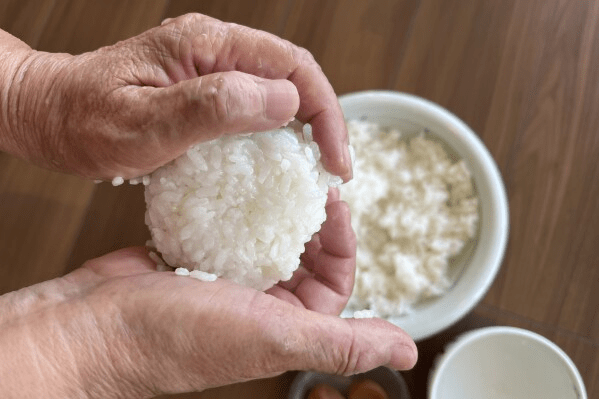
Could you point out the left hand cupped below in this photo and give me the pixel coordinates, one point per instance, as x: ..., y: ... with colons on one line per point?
x: 117, y: 328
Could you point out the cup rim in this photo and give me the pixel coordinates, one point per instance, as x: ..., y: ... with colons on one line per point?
x: 464, y: 340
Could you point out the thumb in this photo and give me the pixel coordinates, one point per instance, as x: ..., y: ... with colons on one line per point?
x: 250, y: 334
x: 306, y: 340
x: 352, y: 346
x: 204, y: 108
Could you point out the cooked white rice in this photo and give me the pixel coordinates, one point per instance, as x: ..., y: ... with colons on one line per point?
x: 413, y: 209
x: 240, y: 207
x: 181, y: 271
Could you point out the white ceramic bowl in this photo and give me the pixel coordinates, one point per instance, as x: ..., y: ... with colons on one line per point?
x: 474, y: 270
x: 506, y: 363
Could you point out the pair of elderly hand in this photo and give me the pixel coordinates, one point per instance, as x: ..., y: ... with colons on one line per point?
x: 118, y: 328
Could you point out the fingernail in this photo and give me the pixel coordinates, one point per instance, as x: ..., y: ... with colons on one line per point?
x: 347, y: 161
x: 282, y: 99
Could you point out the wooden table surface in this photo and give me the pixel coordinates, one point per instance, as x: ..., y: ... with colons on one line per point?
x: 523, y: 74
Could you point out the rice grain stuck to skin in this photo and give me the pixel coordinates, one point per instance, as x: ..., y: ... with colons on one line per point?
x: 240, y: 207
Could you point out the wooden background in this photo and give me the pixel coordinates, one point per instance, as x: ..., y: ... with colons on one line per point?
x: 523, y: 74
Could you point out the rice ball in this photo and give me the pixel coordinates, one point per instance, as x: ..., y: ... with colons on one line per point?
x: 240, y: 207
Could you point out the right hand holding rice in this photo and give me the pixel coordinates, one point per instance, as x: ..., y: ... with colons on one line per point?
x: 127, y: 109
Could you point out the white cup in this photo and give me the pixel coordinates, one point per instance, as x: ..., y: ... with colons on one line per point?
x: 505, y: 363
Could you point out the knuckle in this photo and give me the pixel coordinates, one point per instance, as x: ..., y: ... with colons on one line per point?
x: 348, y: 356
x: 215, y: 101
x: 228, y: 99
x: 183, y: 28
x: 192, y: 24
x: 314, y: 349
x: 189, y: 18
x: 280, y: 344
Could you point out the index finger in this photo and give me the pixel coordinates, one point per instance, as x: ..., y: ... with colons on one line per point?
x: 211, y: 46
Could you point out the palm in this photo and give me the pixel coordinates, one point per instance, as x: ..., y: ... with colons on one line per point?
x: 163, y: 307
x: 141, y: 332
x: 189, y: 334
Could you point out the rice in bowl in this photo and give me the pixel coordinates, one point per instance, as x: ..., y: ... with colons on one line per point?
x: 413, y: 209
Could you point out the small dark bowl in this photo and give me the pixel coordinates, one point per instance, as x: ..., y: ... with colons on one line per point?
x: 391, y: 381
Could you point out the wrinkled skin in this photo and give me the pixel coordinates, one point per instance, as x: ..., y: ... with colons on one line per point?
x: 117, y: 328
x: 127, y: 109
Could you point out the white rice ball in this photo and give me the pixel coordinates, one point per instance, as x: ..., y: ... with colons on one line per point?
x: 240, y: 207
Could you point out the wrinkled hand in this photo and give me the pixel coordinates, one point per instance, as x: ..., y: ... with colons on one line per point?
x: 116, y: 328
x: 127, y: 109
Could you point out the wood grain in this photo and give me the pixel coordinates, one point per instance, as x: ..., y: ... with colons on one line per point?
x: 25, y: 19
x: 41, y: 216
x: 77, y: 26
x: 524, y: 74
x: 114, y: 220
x: 267, y: 15
x: 359, y: 44
x: 544, y: 174
x: 453, y: 57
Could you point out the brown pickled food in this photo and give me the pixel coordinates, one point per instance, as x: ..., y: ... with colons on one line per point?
x: 323, y: 391
x: 367, y: 389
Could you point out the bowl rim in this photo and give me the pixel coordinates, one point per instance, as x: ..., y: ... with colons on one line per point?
x: 499, y: 206
x: 464, y: 340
